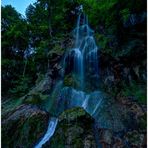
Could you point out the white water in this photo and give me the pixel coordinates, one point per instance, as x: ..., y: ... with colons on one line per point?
x: 73, y: 98
x: 97, y: 106
x: 50, y: 131
x: 85, y: 103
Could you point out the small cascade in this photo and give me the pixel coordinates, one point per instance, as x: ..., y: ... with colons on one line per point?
x: 50, y: 131
x: 85, y: 103
x: 97, y: 106
x: 72, y: 98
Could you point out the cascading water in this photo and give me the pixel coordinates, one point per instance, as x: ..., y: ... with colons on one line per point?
x: 84, y: 53
x: 82, y: 60
x: 84, y: 64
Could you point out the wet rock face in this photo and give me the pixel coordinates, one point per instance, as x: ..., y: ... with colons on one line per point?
x: 75, y: 129
x: 23, y: 126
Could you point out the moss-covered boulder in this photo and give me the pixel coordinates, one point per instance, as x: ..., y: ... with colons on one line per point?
x: 23, y: 126
x: 74, y: 130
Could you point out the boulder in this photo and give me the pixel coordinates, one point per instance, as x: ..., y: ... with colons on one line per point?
x: 23, y: 126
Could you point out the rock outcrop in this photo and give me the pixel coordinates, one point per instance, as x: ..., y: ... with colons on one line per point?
x: 75, y: 129
x: 23, y: 126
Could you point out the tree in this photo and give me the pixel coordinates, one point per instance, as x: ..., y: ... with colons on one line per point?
x: 14, y: 43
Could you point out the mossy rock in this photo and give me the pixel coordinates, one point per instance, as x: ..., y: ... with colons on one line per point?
x: 74, y: 130
x: 24, y: 126
x: 75, y: 114
x: 71, y: 81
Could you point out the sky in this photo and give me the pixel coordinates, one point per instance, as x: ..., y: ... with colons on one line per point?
x: 19, y: 5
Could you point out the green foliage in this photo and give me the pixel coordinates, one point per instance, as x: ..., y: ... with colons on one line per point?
x: 21, y: 87
x: 136, y: 90
x: 103, y: 42
x: 14, y: 32
x: 35, y: 98
x: 125, y: 14
x: 101, y: 8
x: 142, y: 122
x: 9, y: 17
x: 14, y: 43
x: 107, y: 18
x: 41, y: 51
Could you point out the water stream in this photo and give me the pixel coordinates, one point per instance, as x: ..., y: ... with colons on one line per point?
x: 50, y: 131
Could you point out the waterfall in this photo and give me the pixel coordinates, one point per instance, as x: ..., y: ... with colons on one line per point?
x: 50, y: 131
x: 77, y: 31
x: 83, y: 61
x: 84, y: 53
